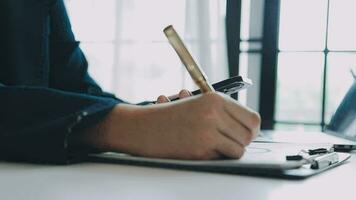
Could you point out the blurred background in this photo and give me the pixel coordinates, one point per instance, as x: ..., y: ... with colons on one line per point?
x: 130, y: 56
x: 298, y: 53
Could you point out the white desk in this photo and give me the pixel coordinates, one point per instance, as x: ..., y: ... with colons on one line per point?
x: 89, y: 181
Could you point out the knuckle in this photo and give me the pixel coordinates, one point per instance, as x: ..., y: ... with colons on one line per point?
x: 213, y: 98
x: 210, y: 106
x: 255, y: 120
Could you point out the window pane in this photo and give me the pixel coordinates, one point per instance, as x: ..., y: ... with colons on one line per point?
x: 217, y: 14
x: 339, y: 79
x: 296, y: 127
x: 299, y: 86
x: 250, y: 67
x: 142, y: 20
x: 342, y: 29
x: 130, y: 56
x: 157, y: 71
x: 100, y: 58
x: 251, y: 19
x: 302, y: 24
x: 93, y: 20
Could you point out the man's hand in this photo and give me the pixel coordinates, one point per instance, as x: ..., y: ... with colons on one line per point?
x: 205, y: 126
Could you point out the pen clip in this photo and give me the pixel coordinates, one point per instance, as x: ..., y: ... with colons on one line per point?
x: 325, y: 160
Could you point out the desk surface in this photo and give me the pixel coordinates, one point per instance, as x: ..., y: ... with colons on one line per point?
x: 89, y: 181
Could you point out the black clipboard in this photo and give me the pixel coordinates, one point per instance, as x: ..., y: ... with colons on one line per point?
x: 267, y: 165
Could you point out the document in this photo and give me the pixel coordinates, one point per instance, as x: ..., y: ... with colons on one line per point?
x: 266, y: 159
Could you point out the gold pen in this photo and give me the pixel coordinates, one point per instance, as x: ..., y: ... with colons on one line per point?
x: 194, y: 70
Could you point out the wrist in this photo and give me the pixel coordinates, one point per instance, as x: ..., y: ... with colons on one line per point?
x: 116, y: 131
x: 98, y: 135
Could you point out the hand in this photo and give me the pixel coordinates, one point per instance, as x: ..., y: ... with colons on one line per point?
x: 200, y: 127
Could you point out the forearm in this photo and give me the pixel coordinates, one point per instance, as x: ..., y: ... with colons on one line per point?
x: 95, y: 137
x: 116, y: 130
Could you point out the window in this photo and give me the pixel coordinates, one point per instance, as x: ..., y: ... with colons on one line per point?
x: 251, y: 38
x: 128, y: 53
x: 316, y: 51
x: 299, y: 54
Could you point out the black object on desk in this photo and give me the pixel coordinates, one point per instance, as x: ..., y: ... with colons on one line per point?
x: 344, y: 147
x: 228, y: 86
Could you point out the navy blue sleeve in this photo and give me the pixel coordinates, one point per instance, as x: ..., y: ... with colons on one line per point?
x: 39, y: 121
x: 36, y: 123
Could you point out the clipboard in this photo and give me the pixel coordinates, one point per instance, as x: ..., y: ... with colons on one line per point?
x: 260, y: 159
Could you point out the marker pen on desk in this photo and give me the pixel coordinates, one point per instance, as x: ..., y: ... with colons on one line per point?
x: 194, y: 70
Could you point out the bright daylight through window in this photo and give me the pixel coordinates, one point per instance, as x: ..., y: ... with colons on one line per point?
x: 128, y: 53
x: 317, y: 50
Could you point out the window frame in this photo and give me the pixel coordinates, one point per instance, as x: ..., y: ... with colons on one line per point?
x: 233, y: 28
x: 269, y: 62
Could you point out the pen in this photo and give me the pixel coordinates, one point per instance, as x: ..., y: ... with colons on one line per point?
x: 194, y: 70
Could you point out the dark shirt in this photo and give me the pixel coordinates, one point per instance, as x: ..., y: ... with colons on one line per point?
x: 46, y: 94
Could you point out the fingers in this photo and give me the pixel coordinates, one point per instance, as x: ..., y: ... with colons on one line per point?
x: 162, y: 99
x: 184, y: 94
x: 246, y: 117
x: 229, y: 148
x: 234, y: 130
x: 233, y: 137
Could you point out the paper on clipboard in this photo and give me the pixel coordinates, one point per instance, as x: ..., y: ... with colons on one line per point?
x: 266, y: 159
